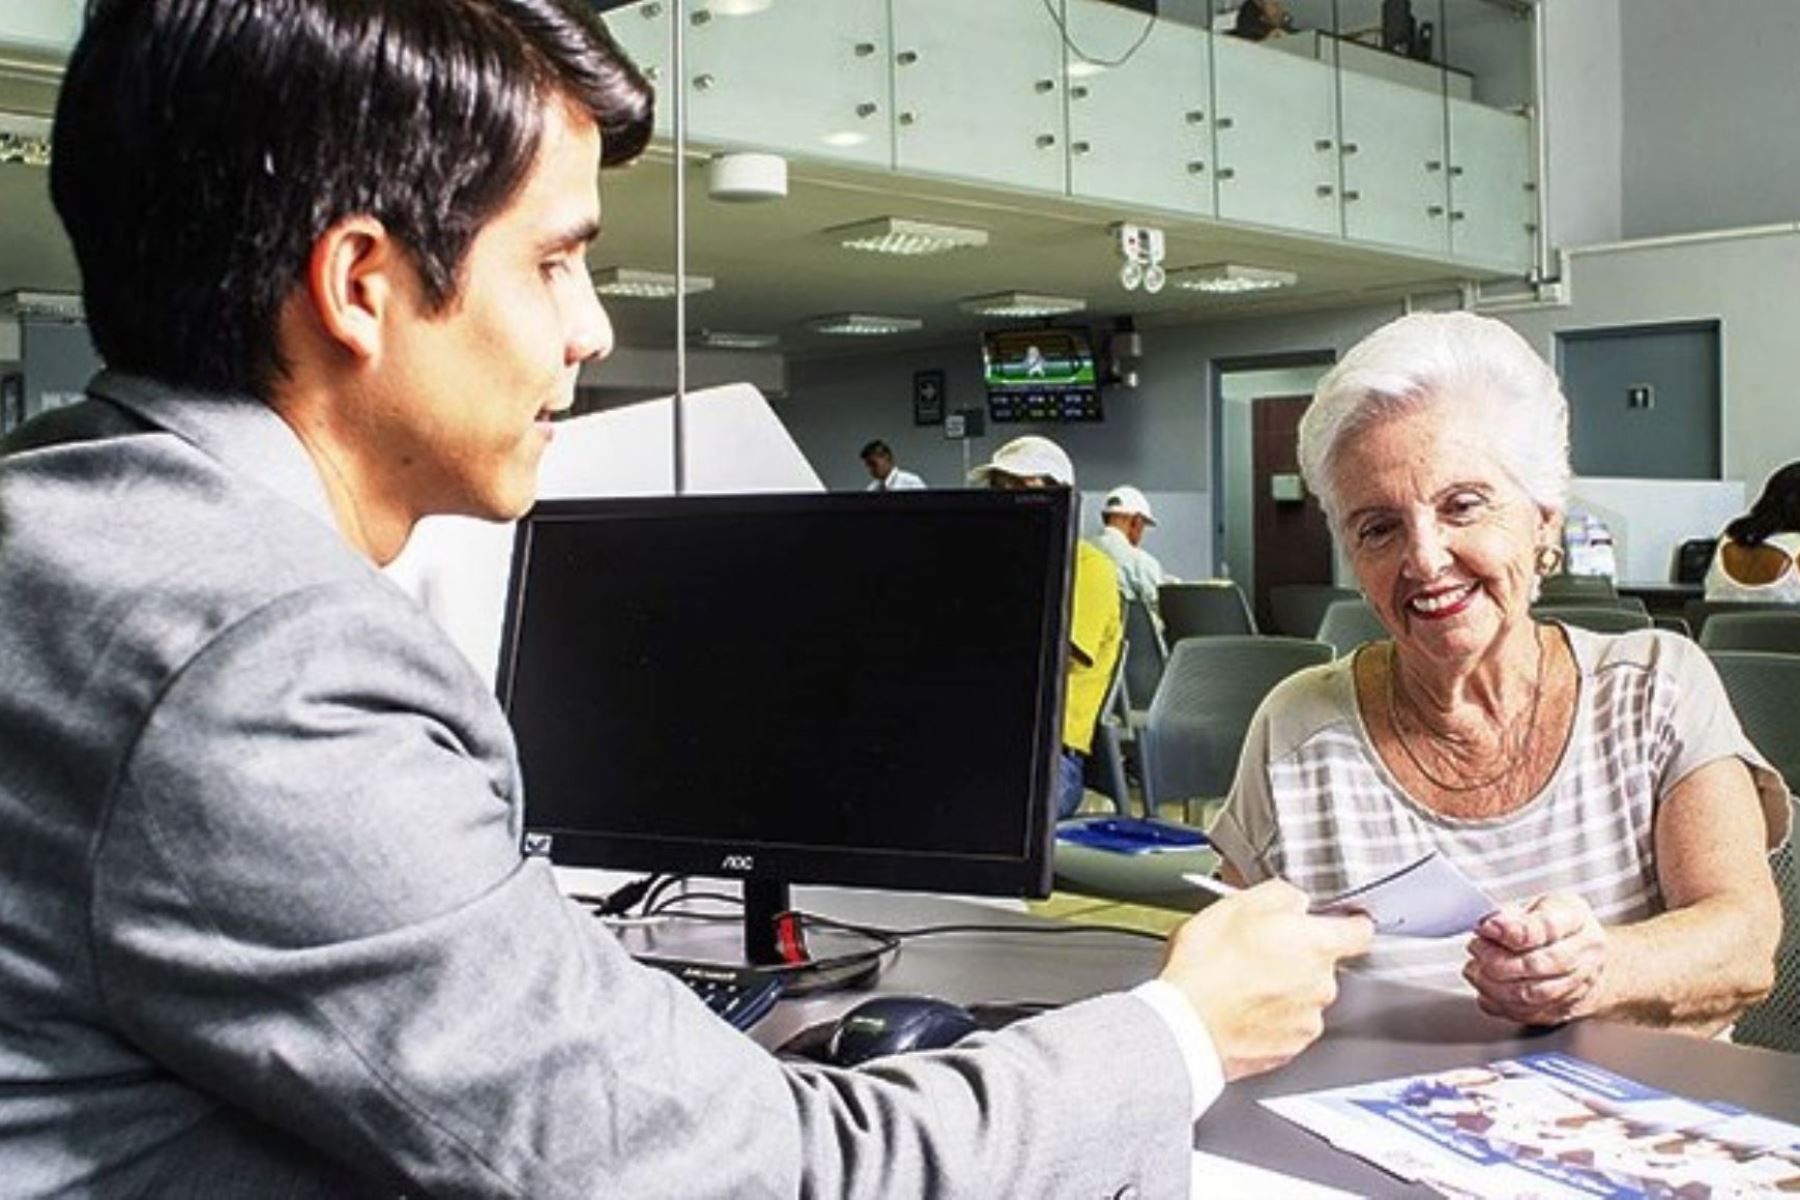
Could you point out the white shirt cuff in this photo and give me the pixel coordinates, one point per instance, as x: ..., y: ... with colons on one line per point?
x: 1205, y: 1072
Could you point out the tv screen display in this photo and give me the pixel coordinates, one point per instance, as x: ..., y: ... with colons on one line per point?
x: 1040, y: 375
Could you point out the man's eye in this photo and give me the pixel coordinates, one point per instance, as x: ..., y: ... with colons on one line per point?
x: 554, y: 268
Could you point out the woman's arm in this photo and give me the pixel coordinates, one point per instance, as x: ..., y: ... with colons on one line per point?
x: 1694, y: 967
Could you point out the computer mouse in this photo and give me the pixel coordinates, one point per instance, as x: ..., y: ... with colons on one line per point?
x: 895, y: 1024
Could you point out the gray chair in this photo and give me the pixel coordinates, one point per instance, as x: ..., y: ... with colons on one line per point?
x: 1673, y: 625
x: 1144, y: 656
x: 1215, y: 608
x: 1105, y: 771
x: 1575, y: 589
x: 1698, y: 612
x: 1296, y: 609
x: 1774, y: 632
x: 1594, y: 617
x: 1763, y: 688
x: 1202, y: 711
x: 1765, y: 693
x: 1350, y: 623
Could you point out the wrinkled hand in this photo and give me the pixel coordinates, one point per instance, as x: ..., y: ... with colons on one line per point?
x: 1261, y: 972
x: 1539, y: 963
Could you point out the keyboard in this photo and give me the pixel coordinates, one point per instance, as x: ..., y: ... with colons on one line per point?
x: 741, y: 995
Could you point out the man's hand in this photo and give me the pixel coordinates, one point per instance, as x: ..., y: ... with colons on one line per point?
x: 1260, y: 972
x: 1539, y: 964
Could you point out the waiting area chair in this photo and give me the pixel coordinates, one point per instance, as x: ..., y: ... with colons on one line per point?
x: 1577, y: 589
x: 1215, y: 608
x: 1771, y: 631
x: 1595, y: 617
x: 1145, y: 655
x: 1348, y: 624
x: 1202, y: 711
x: 1296, y: 609
x: 1763, y: 688
x: 1698, y: 612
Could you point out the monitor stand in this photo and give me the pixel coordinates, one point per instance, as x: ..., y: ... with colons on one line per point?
x: 764, y: 901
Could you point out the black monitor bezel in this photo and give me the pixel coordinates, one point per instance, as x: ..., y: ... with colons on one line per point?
x: 1026, y: 872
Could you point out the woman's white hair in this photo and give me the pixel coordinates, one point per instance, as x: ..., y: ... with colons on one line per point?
x: 1476, y: 366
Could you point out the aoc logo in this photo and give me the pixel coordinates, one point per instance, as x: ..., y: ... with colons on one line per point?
x: 738, y: 862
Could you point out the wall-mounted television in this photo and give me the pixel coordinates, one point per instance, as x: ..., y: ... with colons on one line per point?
x: 1040, y: 375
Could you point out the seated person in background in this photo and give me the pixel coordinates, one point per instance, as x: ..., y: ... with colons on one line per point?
x: 268, y: 930
x: 1759, y: 554
x: 884, y: 476
x: 1598, y: 788
x: 1125, y: 516
x: 1260, y: 19
x: 1096, y: 625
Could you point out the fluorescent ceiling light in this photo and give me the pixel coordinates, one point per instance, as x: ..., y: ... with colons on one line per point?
x: 845, y: 137
x: 740, y: 8
x: 1086, y: 68
x: 725, y: 339
x: 898, y: 235
x: 864, y: 324
x: 1022, y: 304
x: 1223, y: 279
x: 634, y: 284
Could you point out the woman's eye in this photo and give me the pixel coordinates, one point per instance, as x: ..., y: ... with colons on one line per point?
x: 1373, y: 532
x: 1464, y: 505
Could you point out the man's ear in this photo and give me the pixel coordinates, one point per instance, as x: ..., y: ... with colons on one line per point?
x: 351, y: 283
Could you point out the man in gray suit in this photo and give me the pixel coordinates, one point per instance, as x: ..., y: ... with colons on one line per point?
x: 267, y: 930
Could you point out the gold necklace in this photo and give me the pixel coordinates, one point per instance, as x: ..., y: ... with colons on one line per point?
x: 1393, y: 707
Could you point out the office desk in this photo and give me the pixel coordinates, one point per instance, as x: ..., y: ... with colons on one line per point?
x: 1375, y: 1030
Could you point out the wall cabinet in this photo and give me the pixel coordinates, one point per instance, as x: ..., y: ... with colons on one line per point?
x: 1275, y: 135
x: 804, y: 77
x: 1395, y: 172
x: 978, y: 91
x: 1492, y: 200
x: 1140, y: 109
x: 1093, y: 100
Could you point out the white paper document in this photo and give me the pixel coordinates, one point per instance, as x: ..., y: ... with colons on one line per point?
x: 1426, y: 898
x: 1216, y: 1175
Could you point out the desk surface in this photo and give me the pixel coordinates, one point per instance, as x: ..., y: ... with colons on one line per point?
x: 1375, y: 1030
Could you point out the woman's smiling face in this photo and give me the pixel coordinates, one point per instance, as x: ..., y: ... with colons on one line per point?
x: 1443, y: 541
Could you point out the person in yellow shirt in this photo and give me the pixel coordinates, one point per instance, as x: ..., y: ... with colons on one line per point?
x: 1096, y: 624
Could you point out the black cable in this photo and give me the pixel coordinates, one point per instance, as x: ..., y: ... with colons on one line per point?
x: 1029, y: 930
x: 1062, y: 27
x: 619, y: 901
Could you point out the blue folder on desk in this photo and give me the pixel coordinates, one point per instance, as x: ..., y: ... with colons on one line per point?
x: 1130, y: 835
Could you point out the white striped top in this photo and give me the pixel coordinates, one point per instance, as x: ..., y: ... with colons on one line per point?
x: 1315, y: 804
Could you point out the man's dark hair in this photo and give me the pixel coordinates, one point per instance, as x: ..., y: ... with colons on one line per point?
x: 1777, y: 510
x: 202, y: 147
x: 876, y: 447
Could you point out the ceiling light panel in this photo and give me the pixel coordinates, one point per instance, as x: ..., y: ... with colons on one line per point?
x: 1022, y: 304
x: 1227, y: 279
x: 727, y: 339
x: 908, y: 238
x: 863, y: 324
x: 631, y: 283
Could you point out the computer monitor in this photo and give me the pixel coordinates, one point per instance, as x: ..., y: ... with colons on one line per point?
x: 860, y: 689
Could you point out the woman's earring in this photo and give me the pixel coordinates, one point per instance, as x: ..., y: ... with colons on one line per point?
x: 1549, y: 560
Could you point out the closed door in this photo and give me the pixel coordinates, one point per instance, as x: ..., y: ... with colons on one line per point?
x: 1293, y: 540
x: 1643, y: 400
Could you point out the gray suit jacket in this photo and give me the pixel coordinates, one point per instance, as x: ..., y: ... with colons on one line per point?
x: 266, y: 930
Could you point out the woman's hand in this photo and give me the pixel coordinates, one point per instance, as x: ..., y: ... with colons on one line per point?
x: 1540, y: 963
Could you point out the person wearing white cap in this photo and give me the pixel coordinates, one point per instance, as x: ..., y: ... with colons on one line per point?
x: 1126, y: 515
x: 1096, y: 628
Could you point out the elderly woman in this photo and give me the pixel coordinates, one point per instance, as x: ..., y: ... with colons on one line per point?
x: 1598, y: 788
